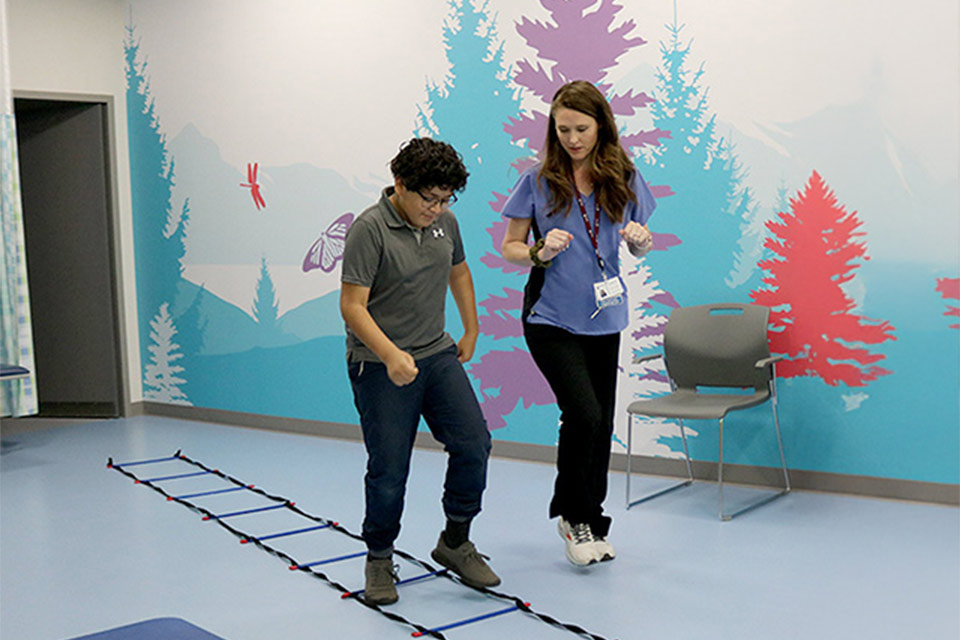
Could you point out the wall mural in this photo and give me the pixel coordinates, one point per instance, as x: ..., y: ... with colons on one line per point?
x: 238, y: 259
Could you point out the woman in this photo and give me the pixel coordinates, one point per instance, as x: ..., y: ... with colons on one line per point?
x: 580, y: 201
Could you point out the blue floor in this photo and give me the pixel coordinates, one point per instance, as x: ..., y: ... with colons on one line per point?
x: 83, y: 549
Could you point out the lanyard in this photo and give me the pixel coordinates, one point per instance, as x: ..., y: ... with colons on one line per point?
x: 594, y: 233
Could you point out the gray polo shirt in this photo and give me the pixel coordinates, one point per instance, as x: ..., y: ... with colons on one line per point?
x: 407, y: 273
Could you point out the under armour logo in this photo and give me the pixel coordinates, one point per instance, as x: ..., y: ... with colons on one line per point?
x: 438, y: 233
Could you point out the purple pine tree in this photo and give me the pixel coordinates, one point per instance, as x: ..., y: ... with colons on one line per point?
x: 580, y: 40
x: 577, y: 21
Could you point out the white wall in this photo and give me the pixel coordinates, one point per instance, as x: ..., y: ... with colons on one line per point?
x: 74, y: 49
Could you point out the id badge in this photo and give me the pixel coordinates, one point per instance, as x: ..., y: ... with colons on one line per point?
x: 607, y: 293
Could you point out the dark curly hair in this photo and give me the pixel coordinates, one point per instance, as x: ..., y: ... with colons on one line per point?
x: 424, y: 163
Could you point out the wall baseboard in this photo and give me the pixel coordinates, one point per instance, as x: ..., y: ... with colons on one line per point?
x: 867, y: 486
x: 78, y: 410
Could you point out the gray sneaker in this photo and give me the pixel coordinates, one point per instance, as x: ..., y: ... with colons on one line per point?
x: 381, y: 575
x: 466, y: 562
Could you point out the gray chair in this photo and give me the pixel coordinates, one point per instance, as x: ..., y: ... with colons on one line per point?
x: 712, y: 346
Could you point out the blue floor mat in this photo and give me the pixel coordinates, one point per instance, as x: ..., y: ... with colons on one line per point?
x: 156, y: 629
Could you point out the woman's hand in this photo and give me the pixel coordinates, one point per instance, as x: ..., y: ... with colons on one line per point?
x: 555, y: 242
x: 638, y: 237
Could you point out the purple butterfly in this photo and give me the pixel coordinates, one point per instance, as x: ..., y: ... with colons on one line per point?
x: 328, y: 248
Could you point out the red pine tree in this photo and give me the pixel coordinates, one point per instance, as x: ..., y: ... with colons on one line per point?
x: 949, y: 289
x: 815, y: 253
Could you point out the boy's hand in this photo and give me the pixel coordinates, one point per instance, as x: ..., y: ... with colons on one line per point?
x: 402, y: 369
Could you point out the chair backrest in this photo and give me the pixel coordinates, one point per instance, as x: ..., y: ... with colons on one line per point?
x: 717, y: 345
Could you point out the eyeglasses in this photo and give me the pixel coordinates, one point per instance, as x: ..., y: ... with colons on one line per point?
x: 432, y: 201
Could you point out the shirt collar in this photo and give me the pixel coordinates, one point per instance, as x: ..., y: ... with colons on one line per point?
x: 390, y: 214
x: 392, y: 217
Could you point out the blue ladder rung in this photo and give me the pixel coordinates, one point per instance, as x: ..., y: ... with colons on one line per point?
x: 178, y: 476
x: 244, y: 512
x: 133, y: 464
x: 423, y: 576
x: 283, y: 534
x: 294, y: 567
x: 417, y: 634
x: 210, y: 493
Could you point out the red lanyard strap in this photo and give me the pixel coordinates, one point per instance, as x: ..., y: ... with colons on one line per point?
x: 594, y: 233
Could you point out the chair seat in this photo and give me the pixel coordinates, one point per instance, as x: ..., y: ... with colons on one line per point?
x: 13, y: 371
x: 688, y: 404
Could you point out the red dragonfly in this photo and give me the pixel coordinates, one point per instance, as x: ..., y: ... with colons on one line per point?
x: 254, y: 186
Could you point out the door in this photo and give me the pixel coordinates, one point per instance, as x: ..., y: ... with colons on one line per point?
x: 65, y: 187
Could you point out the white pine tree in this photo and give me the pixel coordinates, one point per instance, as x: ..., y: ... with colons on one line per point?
x: 160, y: 380
x: 644, y: 336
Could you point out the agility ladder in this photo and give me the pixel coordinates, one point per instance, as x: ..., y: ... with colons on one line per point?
x: 317, y: 523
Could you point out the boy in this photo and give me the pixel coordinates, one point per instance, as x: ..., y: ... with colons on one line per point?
x: 401, y: 254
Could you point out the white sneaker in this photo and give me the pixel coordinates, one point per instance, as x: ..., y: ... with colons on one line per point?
x: 581, y: 545
x: 604, y: 549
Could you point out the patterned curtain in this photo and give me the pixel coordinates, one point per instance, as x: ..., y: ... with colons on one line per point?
x: 17, y: 396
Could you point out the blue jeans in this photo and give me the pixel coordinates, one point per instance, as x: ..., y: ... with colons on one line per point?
x: 389, y: 416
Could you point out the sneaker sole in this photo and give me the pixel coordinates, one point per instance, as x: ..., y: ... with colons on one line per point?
x: 607, y: 557
x: 440, y: 559
x: 382, y: 601
x: 581, y: 564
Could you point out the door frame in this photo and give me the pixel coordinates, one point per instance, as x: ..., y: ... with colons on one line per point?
x: 114, y: 236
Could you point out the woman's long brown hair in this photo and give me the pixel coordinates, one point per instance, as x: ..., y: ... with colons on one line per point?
x: 609, y: 167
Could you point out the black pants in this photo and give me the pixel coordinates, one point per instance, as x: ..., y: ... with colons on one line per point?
x: 582, y: 372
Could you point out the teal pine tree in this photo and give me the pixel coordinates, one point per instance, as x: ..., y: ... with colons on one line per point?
x: 176, y: 234
x: 708, y: 200
x: 265, y: 306
x: 745, y: 208
x: 748, y: 276
x: 193, y: 325
x: 158, y: 234
x: 468, y: 109
x: 192, y: 328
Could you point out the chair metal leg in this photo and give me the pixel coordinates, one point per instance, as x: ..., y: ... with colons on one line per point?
x: 720, y: 478
x: 776, y: 423
x: 629, y: 455
x: 678, y: 485
x: 686, y: 452
x: 769, y: 498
